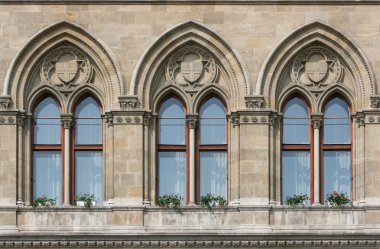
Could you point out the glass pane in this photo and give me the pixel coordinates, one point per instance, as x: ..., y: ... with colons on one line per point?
x: 89, y: 174
x: 336, y: 166
x: 213, y: 173
x: 213, y: 122
x: 88, y: 123
x: 47, y: 175
x: 296, y: 122
x: 172, y: 174
x: 295, y: 173
x: 47, y: 128
x: 336, y: 122
x: 172, y: 123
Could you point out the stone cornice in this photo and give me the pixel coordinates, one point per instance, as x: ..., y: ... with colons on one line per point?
x: 199, y: 2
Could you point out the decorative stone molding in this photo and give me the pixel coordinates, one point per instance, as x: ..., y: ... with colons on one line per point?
x: 316, y: 68
x: 254, y: 102
x: 21, y: 119
x: 192, y: 121
x: 147, y: 119
x: 316, y: 120
x: 359, y: 118
x: 255, y: 118
x: 273, y: 119
x: 67, y: 121
x: 234, y: 119
x: 9, y: 118
x: 189, y: 243
x: 375, y: 101
x: 129, y: 102
x: 5, y: 102
x: 109, y: 119
x: 191, y: 68
x: 128, y: 118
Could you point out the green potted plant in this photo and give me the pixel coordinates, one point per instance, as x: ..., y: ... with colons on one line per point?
x: 170, y: 201
x: 85, y: 200
x: 338, y: 199
x: 297, y: 200
x: 211, y: 201
x: 44, y: 201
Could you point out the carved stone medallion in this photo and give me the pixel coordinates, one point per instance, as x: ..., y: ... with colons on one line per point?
x: 191, y: 68
x: 65, y: 68
x: 316, y: 68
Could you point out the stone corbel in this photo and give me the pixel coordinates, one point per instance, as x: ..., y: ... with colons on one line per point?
x: 109, y: 119
x: 129, y: 102
x: 5, y: 102
x: 191, y: 121
x: 235, y: 119
x: 147, y: 119
x: 254, y: 102
x: 375, y: 101
x: 67, y: 121
x: 360, y: 119
x: 316, y: 120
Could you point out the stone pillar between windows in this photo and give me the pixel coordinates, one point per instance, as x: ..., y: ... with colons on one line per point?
x: 316, y: 120
x: 147, y: 122
x: 191, y: 124
x: 67, y: 122
x: 20, y: 160
x: 272, y: 158
x: 360, y: 166
x: 235, y: 165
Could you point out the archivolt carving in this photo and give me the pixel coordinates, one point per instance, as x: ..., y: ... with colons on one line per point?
x: 336, y: 45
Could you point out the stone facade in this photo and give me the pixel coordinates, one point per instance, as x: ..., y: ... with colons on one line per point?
x: 128, y: 54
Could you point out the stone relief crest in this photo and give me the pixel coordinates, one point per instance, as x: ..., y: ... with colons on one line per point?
x: 191, y: 68
x: 65, y: 68
x: 316, y: 68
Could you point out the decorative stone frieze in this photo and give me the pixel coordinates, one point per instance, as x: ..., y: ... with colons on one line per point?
x: 256, y: 118
x: 65, y: 68
x: 9, y: 118
x: 129, y: 102
x: 191, y: 68
x: 254, y: 102
x: 127, y: 118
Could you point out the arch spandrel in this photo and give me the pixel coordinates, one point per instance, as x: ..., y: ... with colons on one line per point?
x: 190, y: 56
x: 339, y: 61
x: 66, y: 57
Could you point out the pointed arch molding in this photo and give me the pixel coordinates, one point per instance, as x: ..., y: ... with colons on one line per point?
x: 46, y: 40
x: 317, y: 32
x: 189, y: 33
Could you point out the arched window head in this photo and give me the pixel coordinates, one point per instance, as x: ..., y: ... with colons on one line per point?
x: 47, y: 151
x: 336, y: 122
x: 88, y: 150
x: 172, y: 149
x: 213, y: 148
x: 295, y: 149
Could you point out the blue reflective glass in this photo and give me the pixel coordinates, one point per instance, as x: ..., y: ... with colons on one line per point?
x: 172, y: 174
x: 212, y: 122
x: 172, y: 123
x: 295, y: 173
x: 47, y: 175
x: 336, y: 122
x: 213, y: 173
x: 296, y: 122
x: 88, y: 125
x: 89, y: 174
x: 336, y: 167
x: 47, y: 122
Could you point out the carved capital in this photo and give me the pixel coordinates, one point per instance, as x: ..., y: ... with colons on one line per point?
x: 375, y: 100
x: 67, y: 121
x: 21, y: 119
x: 235, y: 119
x: 360, y: 119
x: 273, y: 120
x: 109, y: 119
x: 254, y: 102
x: 191, y: 121
x: 5, y: 102
x: 316, y: 120
x: 147, y: 119
x: 129, y: 102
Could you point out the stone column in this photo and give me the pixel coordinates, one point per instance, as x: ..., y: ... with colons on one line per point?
x: 20, y: 159
x: 147, y: 122
x: 108, y: 158
x: 360, y: 159
x: 191, y: 124
x: 316, y: 121
x: 235, y: 151
x: 272, y: 159
x: 67, y: 122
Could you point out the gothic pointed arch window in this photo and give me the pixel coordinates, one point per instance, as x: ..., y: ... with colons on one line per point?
x: 88, y: 149
x: 47, y: 150
x: 296, y: 149
x: 336, y: 147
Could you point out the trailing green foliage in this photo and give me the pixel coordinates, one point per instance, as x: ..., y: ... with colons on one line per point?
x: 86, y: 198
x: 211, y: 201
x: 338, y: 200
x: 296, y: 200
x: 170, y: 201
x: 43, y: 201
